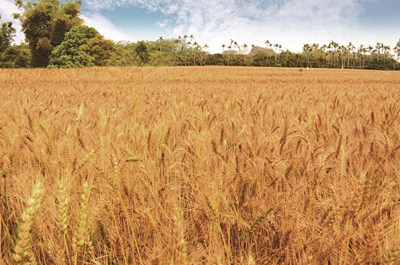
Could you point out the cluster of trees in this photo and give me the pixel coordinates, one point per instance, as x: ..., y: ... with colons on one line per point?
x: 335, y: 55
x: 45, y: 24
x: 332, y: 55
x: 12, y: 55
x: 56, y: 37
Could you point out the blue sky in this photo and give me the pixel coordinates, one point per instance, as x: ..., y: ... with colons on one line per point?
x: 288, y: 22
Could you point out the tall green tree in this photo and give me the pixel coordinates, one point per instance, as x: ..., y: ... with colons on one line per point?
x: 125, y: 55
x: 45, y: 24
x: 7, y: 33
x: 142, y: 51
x: 100, y: 49
x: 82, y: 46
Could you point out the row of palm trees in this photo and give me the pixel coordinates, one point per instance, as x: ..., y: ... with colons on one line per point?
x: 333, y: 54
x: 333, y: 46
x: 342, y: 55
x: 337, y: 55
x: 189, y: 51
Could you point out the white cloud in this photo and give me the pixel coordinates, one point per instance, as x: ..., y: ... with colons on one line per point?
x: 105, y: 26
x: 93, y: 19
x: 290, y: 22
x: 163, y: 24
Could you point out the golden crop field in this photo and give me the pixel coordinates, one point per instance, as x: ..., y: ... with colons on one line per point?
x: 202, y: 165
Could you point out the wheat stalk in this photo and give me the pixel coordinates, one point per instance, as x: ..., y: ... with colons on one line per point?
x: 23, y: 253
x: 81, y: 233
x: 64, y: 200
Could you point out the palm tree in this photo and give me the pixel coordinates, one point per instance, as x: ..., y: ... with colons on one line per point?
x: 245, y: 51
x: 269, y: 46
x: 350, y: 50
x: 379, y: 49
x: 397, y: 50
x: 386, y: 50
x: 324, y: 51
x: 203, y: 54
x: 343, y: 53
x: 371, y: 50
x: 160, y: 40
x: 314, y: 46
x: 179, y: 47
x: 245, y: 47
x: 196, y: 53
x: 223, y: 51
x: 277, y: 48
x: 362, y: 51
x: 334, y: 47
x: 306, y: 50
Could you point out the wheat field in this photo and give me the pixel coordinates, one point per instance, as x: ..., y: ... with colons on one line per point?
x: 202, y: 165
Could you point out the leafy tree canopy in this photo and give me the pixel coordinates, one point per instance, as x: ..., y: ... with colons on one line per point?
x: 45, y: 23
x: 7, y: 33
x: 143, y: 52
x: 82, y: 46
x: 16, y: 56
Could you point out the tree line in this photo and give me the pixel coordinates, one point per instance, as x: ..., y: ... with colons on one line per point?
x: 56, y: 37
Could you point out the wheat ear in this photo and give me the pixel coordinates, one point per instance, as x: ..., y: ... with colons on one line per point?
x: 81, y: 233
x: 23, y: 253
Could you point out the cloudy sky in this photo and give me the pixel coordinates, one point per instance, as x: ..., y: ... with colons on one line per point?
x: 288, y: 22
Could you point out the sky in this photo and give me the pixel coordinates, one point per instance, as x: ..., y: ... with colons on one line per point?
x: 290, y: 23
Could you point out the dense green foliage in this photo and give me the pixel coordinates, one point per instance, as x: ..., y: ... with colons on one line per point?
x: 82, y: 46
x: 7, y: 32
x: 12, y: 56
x: 45, y: 23
x: 16, y: 56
